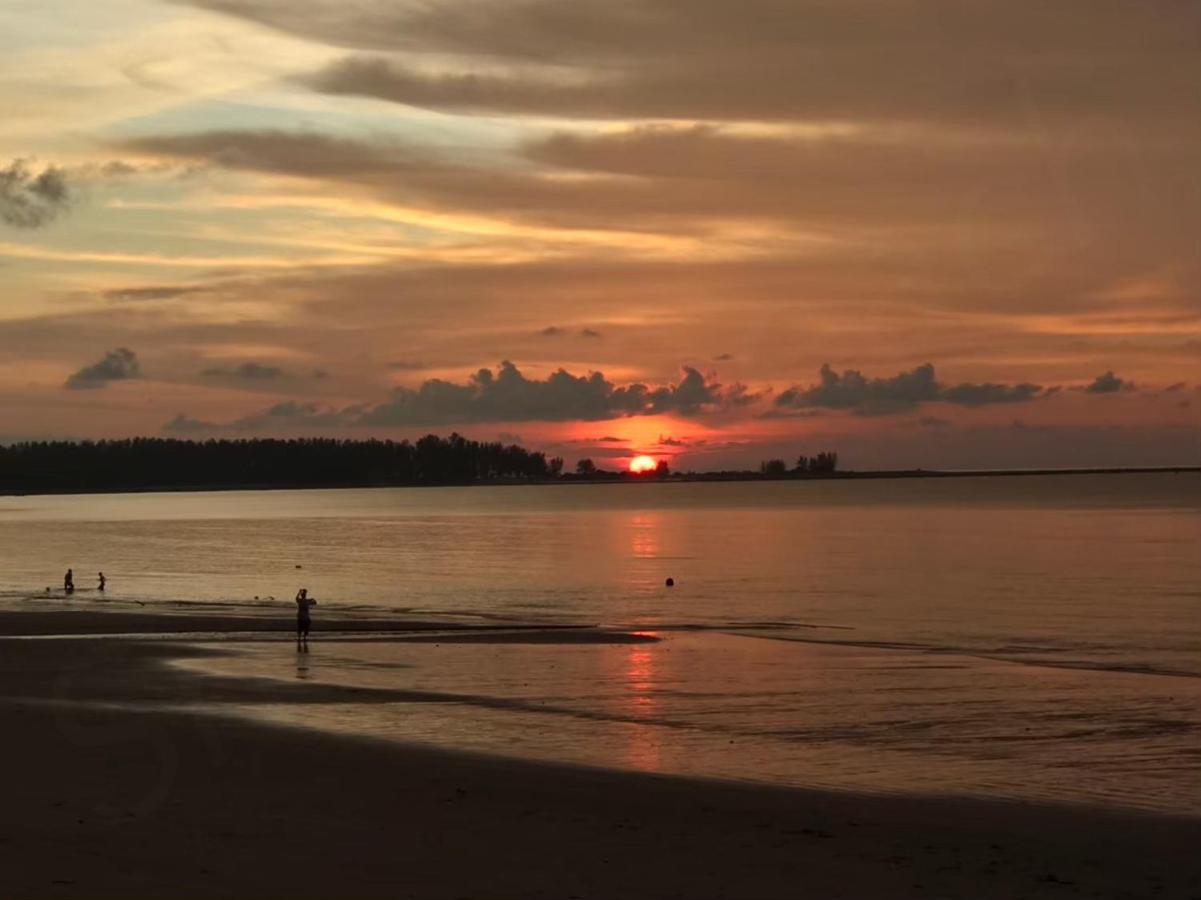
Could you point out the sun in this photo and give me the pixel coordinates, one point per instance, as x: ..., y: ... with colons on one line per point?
x: 641, y: 464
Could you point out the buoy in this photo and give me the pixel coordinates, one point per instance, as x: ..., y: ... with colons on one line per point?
x: 671, y: 582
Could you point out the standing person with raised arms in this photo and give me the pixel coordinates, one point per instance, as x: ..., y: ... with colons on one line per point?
x: 303, y: 620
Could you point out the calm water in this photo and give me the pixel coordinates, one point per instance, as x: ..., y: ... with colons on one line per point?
x: 1030, y: 637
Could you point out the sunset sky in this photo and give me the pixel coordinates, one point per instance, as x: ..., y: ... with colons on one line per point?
x: 920, y: 233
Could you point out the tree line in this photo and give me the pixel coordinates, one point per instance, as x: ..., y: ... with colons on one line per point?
x: 148, y: 463
x: 825, y: 463
x: 169, y: 463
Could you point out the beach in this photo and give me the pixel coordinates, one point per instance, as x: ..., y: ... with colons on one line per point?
x: 125, y: 782
x: 972, y: 687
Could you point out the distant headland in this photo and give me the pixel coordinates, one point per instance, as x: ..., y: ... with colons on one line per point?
x: 167, y: 464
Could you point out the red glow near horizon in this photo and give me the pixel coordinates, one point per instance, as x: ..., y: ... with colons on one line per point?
x: 642, y: 464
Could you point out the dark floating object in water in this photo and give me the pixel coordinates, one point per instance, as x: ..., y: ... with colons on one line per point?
x: 671, y: 582
x: 299, y: 566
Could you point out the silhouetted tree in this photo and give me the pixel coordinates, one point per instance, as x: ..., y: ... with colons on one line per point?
x: 662, y: 469
x: 773, y: 468
x: 825, y: 462
x: 585, y: 467
x: 555, y: 466
x: 822, y: 464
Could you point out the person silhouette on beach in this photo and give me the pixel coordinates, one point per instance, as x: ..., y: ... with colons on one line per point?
x: 103, y: 582
x: 303, y: 621
x: 69, y: 582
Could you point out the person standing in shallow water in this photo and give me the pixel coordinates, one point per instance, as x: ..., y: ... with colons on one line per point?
x: 103, y: 582
x: 303, y: 620
x: 69, y: 582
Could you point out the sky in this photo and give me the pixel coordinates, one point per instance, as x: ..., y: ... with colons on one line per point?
x: 920, y: 233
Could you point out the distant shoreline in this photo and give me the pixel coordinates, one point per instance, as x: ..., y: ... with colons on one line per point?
x: 614, y: 478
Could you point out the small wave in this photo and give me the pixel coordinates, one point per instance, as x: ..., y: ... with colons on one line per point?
x: 1095, y: 666
x: 1012, y: 656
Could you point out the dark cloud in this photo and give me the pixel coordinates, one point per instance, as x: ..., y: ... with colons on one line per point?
x: 671, y: 442
x: 1108, y: 383
x: 117, y: 365
x: 601, y: 452
x: 301, y: 153
x: 247, y: 371
x: 933, y: 422
x: 29, y: 200
x: 703, y: 173
x: 291, y: 414
x: 380, y: 79
x: 508, y: 396
x: 151, y: 292
x: 184, y: 424
x: 592, y: 441
x: 118, y: 168
x: 853, y: 391
x: 788, y: 413
x: 556, y: 331
x: 762, y: 60
x: 882, y: 154
x: 857, y: 393
x: 287, y: 415
x: 723, y: 357
x: 986, y: 393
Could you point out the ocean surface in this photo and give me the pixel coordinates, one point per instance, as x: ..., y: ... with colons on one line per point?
x: 1034, y: 638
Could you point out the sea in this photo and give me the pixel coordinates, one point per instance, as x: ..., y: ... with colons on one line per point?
x: 1028, y: 638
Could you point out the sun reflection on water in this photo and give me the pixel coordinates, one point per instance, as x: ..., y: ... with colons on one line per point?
x: 646, y: 539
x: 642, y: 744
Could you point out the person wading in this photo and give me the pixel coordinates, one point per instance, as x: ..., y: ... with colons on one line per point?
x: 303, y: 620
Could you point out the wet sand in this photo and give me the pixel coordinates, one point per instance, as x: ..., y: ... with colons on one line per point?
x: 120, y: 782
x: 87, y: 622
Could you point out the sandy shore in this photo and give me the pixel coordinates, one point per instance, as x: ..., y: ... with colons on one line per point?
x: 109, y: 795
